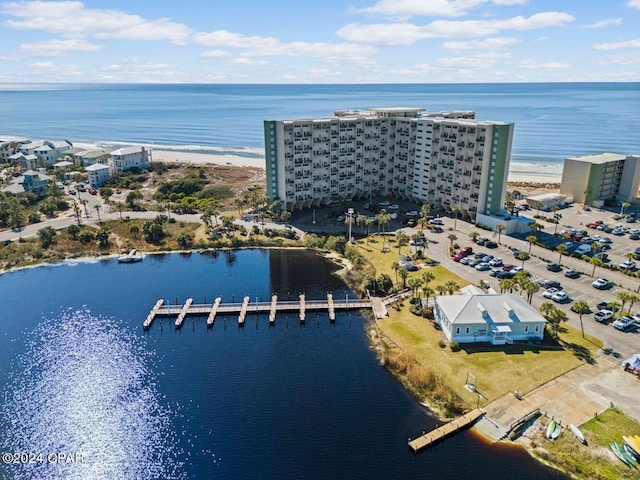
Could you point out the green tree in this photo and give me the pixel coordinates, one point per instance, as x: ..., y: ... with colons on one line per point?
x: 102, y: 236
x: 581, y: 307
x: 425, y: 211
x: 73, y: 231
x: 185, y: 240
x: 97, y: 207
x: 404, y: 273
x: 401, y: 239
x: 474, y: 235
x: 530, y: 289
x: 455, y: 209
x: 562, y: 250
x: 451, y: 287
x: 531, y: 239
x: 501, y: 227
x: 47, y: 236
x: 85, y: 237
x: 523, y: 257
x: 452, y: 238
x: 134, y: 230
x: 623, y: 206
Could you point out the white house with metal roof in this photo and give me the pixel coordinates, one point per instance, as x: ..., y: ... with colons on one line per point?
x: 493, y: 318
x: 97, y: 174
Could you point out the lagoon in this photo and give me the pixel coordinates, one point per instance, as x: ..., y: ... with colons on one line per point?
x: 79, y: 374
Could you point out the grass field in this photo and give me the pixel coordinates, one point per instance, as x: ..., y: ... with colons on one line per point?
x: 528, y: 366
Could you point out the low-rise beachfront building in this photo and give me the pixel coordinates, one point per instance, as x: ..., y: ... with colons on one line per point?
x: 26, y: 161
x: 446, y: 159
x: 98, y: 174
x: 129, y: 157
x: 35, y: 181
x: 9, y: 146
x: 605, y: 176
x: 493, y: 318
x: 90, y: 157
x: 50, y: 151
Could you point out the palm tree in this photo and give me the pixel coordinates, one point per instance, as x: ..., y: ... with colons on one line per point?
x: 425, y: 211
x: 624, y: 298
x: 523, y: 256
x: 587, y: 199
x: 507, y: 284
x: 76, y: 212
x: 97, y: 207
x: 531, y: 239
x: 455, y: 209
x: 427, y: 277
x: 441, y: 289
x: 396, y: 266
x: 452, y: 238
x: 556, y: 217
x: 562, y: 250
x: 596, y: 262
x: 530, y: 288
x: 401, y: 238
x: 501, y: 227
x: 474, y: 236
x: 84, y: 204
x: 581, y: 307
x: 538, y: 205
x: 536, y: 227
x: 451, y: 287
x: 414, y: 284
x: 623, y: 206
x: 404, y: 273
x: 428, y: 292
x: 633, y: 298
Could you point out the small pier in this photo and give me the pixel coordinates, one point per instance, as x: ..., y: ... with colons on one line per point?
x: 212, y: 310
x: 445, y: 430
x: 183, y: 312
x: 302, y: 308
x: 243, y: 310
x: 274, y: 309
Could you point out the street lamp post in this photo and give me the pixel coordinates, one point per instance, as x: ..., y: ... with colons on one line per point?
x: 350, y: 213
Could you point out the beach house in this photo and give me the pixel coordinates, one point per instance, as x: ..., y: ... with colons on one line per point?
x: 97, y: 174
x: 493, y: 318
x: 129, y: 157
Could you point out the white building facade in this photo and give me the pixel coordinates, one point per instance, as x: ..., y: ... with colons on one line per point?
x: 447, y: 159
x: 98, y: 174
x: 129, y: 157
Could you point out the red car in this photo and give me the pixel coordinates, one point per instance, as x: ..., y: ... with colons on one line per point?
x: 508, y: 268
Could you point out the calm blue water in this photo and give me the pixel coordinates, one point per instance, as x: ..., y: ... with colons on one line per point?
x: 552, y: 121
x: 79, y: 376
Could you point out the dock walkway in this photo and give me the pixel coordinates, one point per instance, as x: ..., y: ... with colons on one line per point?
x: 445, y: 430
x: 211, y: 311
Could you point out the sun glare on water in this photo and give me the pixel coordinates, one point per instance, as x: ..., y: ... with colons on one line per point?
x: 82, y: 404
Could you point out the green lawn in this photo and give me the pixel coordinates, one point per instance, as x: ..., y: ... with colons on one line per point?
x: 528, y: 366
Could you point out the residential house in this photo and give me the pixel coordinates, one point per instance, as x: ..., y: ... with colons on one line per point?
x: 98, y: 174
x: 493, y: 318
x: 35, y: 181
x: 128, y: 157
x: 90, y: 157
x: 26, y: 161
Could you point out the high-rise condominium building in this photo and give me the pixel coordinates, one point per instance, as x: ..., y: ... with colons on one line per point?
x: 446, y: 159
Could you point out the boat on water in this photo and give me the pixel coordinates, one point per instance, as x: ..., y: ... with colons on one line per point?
x: 577, y: 433
x: 550, y: 428
x: 131, y: 257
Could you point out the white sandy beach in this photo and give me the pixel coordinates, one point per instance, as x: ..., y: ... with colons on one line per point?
x: 200, y: 158
x: 240, y: 161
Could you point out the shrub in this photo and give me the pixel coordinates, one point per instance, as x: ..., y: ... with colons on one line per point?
x: 455, y: 346
x: 441, y: 344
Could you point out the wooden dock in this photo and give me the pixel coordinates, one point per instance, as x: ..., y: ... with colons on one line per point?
x: 183, y: 312
x: 445, y: 430
x: 274, y: 309
x: 212, y: 310
x: 243, y: 310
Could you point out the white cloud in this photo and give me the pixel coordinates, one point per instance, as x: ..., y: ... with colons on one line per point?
x: 604, y: 23
x: 536, y: 65
x: 494, y: 43
x: 634, y: 4
x: 431, y: 8
x: 53, y: 71
x: 215, y: 54
x: 255, y: 46
x: 635, y: 43
x: 408, y: 33
x: 56, y: 47
x: 72, y: 19
x: 248, y: 62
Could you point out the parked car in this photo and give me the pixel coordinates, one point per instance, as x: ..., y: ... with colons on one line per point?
x: 487, y: 258
x: 496, y: 262
x: 628, y: 265
x: 483, y: 266
x: 504, y: 274
x: 606, y: 306
x: 601, y: 284
x: 602, y: 256
x: 551, y: 284
x: 603, y: 316
x: 482, y: 241
x: 508, y: 267
x: 560, y: 297
x: 582, y: 249
x: 554, y: 267
x: 491, y: 244
x: 624, y: 323
x: 550, y: 292
x: 571, y: 273
x: 605, y: 240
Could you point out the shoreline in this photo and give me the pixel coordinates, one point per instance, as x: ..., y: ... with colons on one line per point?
x: 516, y: 179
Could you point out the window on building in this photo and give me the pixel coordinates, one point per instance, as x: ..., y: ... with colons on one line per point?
x: 457, y: 330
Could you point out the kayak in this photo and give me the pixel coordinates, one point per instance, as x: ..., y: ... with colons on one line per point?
x: 633, y: 443
x: 550, y: 428
x: 577, y: 433
x: 556, y: 432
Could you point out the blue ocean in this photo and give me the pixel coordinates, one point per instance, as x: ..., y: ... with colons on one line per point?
x: 552, y: 120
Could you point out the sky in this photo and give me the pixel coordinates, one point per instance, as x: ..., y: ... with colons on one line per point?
x: 326, y: 41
